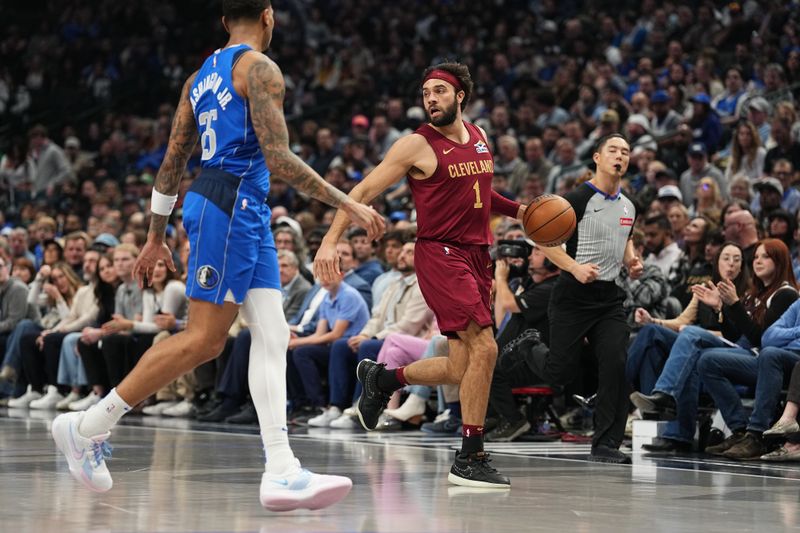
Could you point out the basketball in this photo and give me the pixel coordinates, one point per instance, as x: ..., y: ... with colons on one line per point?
x: 549, y: 220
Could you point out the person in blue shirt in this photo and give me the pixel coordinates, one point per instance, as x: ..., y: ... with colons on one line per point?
x: 233, y: 106
x: 369, y: 266
x: 342, y: 314
x: 704, y: 126
x: 347, y: 256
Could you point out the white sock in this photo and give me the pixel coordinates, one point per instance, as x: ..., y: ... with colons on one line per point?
x: 279, y: 456
x: 267, y: 374
x: 101, y: 417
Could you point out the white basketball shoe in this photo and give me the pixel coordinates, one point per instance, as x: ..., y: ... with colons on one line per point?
x: 86, y: 456
x: 302, y: 489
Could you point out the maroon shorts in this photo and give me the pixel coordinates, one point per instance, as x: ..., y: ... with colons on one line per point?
x: 456, y: 281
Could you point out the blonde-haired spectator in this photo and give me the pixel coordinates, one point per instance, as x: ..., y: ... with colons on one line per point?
x: 741, y: 188
x: 747, y: 154
x: 678, y: 217
x: 708, y: 200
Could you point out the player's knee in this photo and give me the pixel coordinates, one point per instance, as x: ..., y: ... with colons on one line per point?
x: 489, y: 350
x: 455, y: 373
x: 206, y: 346
x: 484, y: 353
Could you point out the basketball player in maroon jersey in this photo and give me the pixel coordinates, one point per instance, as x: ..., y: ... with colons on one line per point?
x: 450, y: 169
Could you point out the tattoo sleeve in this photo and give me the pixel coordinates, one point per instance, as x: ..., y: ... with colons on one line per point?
x: 182, y: 140
x: 266, y: 90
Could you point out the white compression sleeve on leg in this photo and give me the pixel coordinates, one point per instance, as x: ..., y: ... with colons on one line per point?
x: 263, y: 312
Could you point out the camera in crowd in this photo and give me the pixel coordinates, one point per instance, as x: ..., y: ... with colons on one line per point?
x: 518, y: 252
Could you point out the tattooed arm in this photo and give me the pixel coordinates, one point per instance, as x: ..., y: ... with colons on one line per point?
x: 182, y: 140
x: 265, y: 91
x: 265, y: 88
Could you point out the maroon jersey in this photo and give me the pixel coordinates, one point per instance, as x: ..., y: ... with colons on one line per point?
x: 455, y: 202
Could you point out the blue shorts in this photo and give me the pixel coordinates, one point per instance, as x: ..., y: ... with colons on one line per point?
x: 231, y: 248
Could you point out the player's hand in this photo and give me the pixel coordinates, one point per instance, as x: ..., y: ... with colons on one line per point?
x: 727, y: 292
x: 635, y: 268
x: 586, y: 273
x: 326, y: 263
x: 366, y: 217
x: 154, y: 250
x: 642, y: 316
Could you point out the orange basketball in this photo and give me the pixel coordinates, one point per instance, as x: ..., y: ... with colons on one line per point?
x: 549, y: 220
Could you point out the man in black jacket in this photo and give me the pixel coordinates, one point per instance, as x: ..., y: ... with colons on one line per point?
x: 527, y: 330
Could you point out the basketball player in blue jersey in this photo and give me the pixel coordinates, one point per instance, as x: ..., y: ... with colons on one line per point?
x: 234, y: 104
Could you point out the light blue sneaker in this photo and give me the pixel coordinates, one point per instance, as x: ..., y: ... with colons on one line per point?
x: 86, y: 456
x: 444, y: 424
x: 301, y: 488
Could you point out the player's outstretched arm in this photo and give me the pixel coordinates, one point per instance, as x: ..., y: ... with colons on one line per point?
x: 182, y: 140
x: 266, y: 90
x: 397, y: 163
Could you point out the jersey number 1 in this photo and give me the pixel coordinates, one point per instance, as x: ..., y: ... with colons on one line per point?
x: 478, y: 203
x: 209, y: 138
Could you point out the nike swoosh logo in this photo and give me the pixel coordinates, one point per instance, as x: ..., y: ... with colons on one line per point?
x: 284, y: 482
x: 463, y: 472
x: 445, y: 152
x: 596, y: 210
x: 76, y: 453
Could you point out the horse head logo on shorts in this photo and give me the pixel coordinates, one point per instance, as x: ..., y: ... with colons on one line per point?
x: 207, y: 277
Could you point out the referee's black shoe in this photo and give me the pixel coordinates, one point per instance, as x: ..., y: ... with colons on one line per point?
x: 373, y: 400
x: 664, y: 445
x: 606, y: 454
x: 474, y: 470
x: 658, y: 402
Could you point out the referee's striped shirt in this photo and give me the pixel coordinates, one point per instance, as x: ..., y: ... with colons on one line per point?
x: 605, y: 223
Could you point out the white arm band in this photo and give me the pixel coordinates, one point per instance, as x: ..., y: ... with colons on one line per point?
x: 161, y: 204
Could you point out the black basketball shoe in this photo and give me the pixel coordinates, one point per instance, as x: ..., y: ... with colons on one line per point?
x: 474, y: 470
x: 373, y: 400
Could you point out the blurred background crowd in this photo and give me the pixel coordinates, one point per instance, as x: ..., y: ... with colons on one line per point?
x: 705, y: 91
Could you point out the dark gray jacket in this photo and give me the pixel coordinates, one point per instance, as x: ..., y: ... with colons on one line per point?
x: 14, y: 305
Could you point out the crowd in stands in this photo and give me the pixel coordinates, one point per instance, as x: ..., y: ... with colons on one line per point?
x: 706, y: 93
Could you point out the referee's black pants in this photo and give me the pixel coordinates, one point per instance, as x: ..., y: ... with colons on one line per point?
x: 592, y: 312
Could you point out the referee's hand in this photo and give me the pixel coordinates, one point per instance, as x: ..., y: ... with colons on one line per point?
x: 586, y: 273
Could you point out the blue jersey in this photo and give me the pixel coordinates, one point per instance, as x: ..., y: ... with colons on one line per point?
x: 227, y: 136
x: 225, y: 212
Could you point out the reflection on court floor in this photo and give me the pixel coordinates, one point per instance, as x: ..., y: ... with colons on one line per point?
x: 175, y: 475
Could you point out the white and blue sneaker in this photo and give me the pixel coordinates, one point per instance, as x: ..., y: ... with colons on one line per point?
x: 302, y: 489
x: 86, y: 456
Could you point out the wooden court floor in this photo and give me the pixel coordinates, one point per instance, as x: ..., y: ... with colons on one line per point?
x: 179, y: 476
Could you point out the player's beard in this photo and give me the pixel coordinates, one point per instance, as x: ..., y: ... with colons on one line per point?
x: 447, y: 117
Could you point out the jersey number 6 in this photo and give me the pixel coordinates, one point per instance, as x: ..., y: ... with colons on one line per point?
x: 209, y: 138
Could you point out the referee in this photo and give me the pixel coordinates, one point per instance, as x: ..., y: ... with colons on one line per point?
x: 586, y: 303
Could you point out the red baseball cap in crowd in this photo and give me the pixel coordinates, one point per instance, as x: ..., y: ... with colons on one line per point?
x: 360, y: 120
